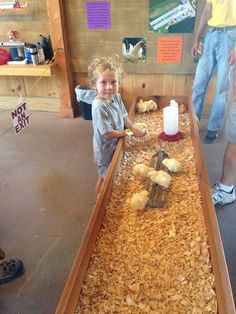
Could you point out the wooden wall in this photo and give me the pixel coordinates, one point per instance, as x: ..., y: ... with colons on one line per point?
x: 128, y: 19
x: 28, y: 26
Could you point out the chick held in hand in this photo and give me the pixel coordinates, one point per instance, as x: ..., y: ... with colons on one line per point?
x: 139, y: 200
x: 172, y: 164
x: 139, y: 129
x: 160, y: 177
x: 140, y: 126
x: 141, y: 170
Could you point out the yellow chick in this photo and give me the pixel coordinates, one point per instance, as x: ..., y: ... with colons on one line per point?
x: 141, y: 106
x: 139, y: 126
x: 139, y: 200
x: 160, y: 177
x: 154, y: 105
x: 145, y: 106
x: 150, y: 105
x: 141, y: 170
x: 172, y: 164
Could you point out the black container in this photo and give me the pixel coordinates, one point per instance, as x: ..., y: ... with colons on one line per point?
x: 86, y: 110
x: 85, y: 95
x: 46, y: 44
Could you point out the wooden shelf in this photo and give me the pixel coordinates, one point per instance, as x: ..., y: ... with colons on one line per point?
x: 28, y: 69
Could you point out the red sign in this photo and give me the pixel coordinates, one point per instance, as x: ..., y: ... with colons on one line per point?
x: 169, y: 49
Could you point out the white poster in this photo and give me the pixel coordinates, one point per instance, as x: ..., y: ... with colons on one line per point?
x: 20, y: 117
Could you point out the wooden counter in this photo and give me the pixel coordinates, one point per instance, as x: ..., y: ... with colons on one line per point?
x: 71, y: 293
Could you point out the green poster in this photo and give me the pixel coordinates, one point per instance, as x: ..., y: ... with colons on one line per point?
x: 172, y: 16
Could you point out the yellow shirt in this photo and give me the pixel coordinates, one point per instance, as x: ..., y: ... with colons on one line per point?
x: 223, y: 13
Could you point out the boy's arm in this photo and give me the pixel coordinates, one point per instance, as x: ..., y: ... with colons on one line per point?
x: 121, y: 133
x: 115, y: 133
x: 128, y: 124
x: 206, y: 15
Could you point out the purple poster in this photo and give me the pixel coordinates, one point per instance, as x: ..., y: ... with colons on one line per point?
x: 98, y: 14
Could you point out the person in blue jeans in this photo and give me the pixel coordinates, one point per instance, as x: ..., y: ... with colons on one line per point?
x: 218, y: 53
x: 223, y: 191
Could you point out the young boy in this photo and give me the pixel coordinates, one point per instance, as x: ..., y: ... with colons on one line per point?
x: 108, y: 112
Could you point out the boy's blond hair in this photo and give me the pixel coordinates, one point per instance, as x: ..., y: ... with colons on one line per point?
x: 101, y: 64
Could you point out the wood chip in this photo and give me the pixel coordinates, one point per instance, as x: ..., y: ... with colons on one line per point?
x: 156, y: 260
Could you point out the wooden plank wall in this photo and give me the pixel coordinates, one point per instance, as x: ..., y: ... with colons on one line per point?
x: 128, y: 19
x: 29, y: 26
x: 157, y: 84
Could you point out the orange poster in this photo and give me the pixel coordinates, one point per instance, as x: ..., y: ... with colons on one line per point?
x: 169, y: 49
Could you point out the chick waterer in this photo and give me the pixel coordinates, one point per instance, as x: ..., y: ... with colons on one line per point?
x: 171, y: 132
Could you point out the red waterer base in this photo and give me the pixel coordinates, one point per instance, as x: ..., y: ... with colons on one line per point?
x: 171, y: 138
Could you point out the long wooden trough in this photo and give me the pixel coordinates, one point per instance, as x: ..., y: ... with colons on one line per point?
x: 71, y: 293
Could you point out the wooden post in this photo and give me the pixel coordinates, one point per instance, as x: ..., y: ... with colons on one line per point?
x: 57, y: 26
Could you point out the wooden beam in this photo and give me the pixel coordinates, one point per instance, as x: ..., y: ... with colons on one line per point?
x: 56, y: 15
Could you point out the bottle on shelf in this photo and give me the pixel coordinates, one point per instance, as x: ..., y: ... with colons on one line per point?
x: 47, y: 47
x: 34, y: 54
x: 41, y: 55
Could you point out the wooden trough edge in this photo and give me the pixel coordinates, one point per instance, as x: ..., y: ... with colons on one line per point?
x: 69, y: 298
x: 70, y: 295
x: 223, y: 286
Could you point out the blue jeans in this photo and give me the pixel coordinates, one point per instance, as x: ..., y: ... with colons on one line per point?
x: 219, y: 42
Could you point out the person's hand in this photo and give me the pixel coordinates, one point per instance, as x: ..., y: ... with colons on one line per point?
x: 232, y: 57
x: 196, y: 49
x: 138, y: 133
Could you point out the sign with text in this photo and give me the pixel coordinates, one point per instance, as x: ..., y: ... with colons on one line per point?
x: 98, y: 14
x: 169, y: 49
x: 20, y: 117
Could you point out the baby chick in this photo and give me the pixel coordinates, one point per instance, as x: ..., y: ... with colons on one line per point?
x: 139, y: 200
x: 172, y: 164
x: 160, y: 177
x: 141, y: 170
x: 146, y: 106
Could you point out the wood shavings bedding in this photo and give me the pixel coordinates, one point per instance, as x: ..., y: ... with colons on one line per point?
x: 155, y: 260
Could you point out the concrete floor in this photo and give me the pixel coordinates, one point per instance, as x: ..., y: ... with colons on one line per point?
x: 47, y: 194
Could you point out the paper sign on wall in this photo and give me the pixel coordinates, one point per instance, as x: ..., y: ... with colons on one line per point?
x: 20, y: 117
x: 98, y: 14
x: 169, y: 49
